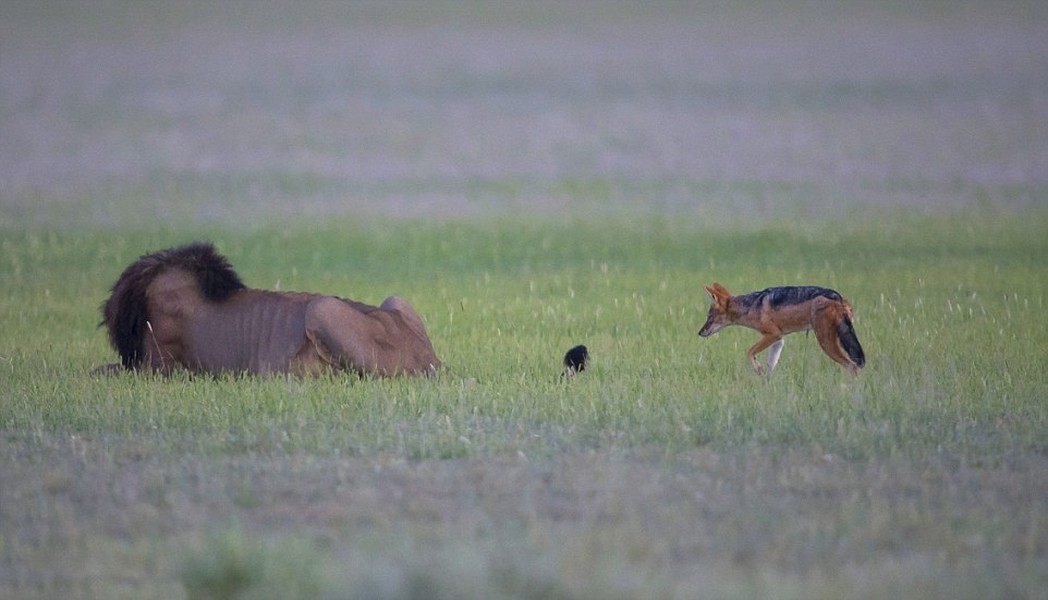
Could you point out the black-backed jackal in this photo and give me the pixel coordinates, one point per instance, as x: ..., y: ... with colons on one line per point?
x: 778, y: 311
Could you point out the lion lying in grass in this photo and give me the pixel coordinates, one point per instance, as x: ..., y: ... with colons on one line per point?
x: 185, y: 308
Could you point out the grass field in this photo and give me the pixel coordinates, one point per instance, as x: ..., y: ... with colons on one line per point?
x: 533, y: 176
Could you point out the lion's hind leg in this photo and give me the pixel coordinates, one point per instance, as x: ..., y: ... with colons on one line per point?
x: 342, y: 335
x: 407, y: 312
x: 398, y: 304
x: 388, y: 340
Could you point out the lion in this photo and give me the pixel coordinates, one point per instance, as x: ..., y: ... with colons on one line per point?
x: 185, y: 308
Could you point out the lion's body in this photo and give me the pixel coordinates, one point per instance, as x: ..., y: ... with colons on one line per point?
x: 186, y: 309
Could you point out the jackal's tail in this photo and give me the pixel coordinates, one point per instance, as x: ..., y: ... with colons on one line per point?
x: 126, y: 313
x: 849, y: 341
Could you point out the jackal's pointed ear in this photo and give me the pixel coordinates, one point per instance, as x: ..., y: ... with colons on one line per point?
x: 712, y: 293
x: 721, y: 290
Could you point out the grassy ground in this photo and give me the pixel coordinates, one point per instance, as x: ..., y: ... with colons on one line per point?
x: 669, y: 467
x: 533, y: 176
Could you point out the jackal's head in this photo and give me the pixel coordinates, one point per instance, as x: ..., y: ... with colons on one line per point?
x: 719, y: 314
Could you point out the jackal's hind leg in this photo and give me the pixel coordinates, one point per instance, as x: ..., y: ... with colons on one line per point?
x: 824, y: 323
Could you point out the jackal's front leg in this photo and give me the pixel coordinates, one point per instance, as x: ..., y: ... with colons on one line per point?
x: 773, y: 340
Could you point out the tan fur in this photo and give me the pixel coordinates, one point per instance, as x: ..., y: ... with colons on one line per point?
x: 825, y: 318
x: 256, y: 331
x: 820, y: 314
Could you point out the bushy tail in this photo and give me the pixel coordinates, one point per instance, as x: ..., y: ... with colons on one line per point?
x: 126, y: 313
x: 849, y: 341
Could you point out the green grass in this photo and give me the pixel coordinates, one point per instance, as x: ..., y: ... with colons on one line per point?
x: 532, y: 176
x: 668, y: 464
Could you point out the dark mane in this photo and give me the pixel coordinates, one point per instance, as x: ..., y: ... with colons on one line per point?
x: 125, y: 312
x: 216, y: 277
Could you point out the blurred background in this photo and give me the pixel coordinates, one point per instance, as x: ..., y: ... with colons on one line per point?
x: 118, y: 113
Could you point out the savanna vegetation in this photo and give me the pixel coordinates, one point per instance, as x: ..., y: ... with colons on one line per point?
x: 533, y: 177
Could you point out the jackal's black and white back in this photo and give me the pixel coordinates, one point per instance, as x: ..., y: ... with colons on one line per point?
x: 785, y: 295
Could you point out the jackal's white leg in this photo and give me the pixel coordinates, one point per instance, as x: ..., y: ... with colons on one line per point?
x: 773, y: 354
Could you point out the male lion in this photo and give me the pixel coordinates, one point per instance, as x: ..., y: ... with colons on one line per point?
x: 185, y: 308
